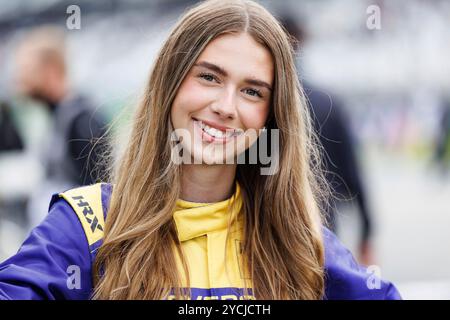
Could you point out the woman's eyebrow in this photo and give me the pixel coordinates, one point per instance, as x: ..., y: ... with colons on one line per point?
x: 212, y: 67
x: 259, y: 83
x: 222, y: 72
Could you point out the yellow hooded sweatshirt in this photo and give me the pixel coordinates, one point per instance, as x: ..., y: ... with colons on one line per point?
x: 215, y: 264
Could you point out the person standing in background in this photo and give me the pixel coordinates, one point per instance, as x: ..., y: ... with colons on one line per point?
x: 73, y: 147
x: 342, y: 170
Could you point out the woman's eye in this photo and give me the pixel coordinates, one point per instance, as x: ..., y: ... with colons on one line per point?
x: 253, y: 92
x: 208, y: 77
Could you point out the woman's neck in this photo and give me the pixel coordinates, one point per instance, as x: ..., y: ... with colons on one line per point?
x: 207, y: 183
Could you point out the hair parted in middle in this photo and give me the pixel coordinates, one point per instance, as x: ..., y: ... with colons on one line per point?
x: 283, y: 246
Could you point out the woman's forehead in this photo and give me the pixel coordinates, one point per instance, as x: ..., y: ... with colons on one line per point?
x: 239, y: 55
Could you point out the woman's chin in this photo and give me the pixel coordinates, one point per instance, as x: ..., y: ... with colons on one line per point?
x: 210, y: 159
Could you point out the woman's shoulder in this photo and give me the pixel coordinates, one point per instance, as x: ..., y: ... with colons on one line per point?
x: 346, y: 279
x: 55, y: 261
x: 90, y: 205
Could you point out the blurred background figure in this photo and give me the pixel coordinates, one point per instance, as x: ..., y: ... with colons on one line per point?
x: 342, y: 170
x: 442, y: 152
x: 42, y: 75
x: 10, y: 139
x: 73, y: 147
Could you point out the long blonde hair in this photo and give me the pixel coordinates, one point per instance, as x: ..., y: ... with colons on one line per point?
x: 282, y: 243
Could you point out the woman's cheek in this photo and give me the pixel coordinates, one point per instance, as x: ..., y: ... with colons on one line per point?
x: 253, y: 116
x: 192, y: 96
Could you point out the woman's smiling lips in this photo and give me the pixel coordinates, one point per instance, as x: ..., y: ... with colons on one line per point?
x: 213, y: 132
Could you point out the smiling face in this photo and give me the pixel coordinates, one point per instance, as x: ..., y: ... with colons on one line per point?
x: 225, y: 98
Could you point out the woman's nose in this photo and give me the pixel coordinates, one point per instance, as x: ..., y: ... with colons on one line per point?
x: 225, y: 105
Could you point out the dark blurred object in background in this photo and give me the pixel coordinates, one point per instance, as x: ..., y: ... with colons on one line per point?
x: 342, y: 171
x: 442, y: 152
x: 9, y: 136
x: 340, y: 163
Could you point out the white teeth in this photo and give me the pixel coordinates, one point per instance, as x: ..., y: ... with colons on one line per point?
x: 217, y: 133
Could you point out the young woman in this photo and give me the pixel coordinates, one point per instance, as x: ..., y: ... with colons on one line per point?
x: 208, y: 226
